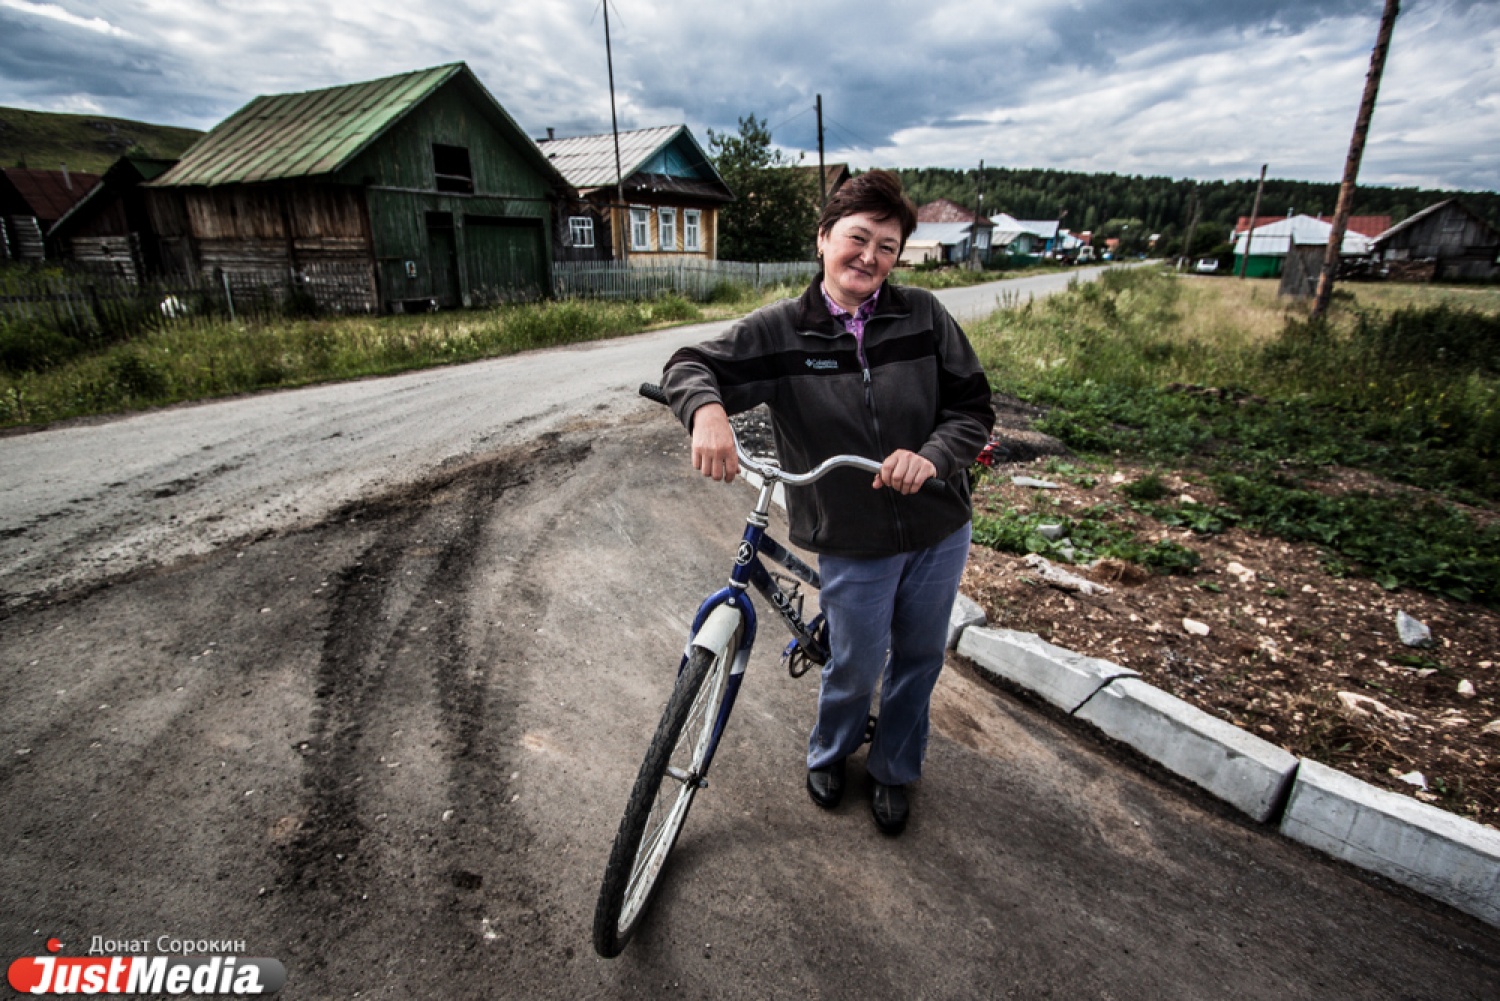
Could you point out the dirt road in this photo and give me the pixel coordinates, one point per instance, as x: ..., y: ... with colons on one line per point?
x: 360, y: 676
x: 390, y: 750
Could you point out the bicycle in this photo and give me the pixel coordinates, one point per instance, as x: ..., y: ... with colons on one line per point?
x: 708, y: 680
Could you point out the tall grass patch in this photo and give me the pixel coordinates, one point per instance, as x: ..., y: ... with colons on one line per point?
x: 201, y: 357
x: 1226, y: 377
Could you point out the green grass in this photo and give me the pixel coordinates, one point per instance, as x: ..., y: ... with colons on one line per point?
x: 955, y: 277
x: 52, y: 377
x: 1265, y: 403
x: 45, y: 140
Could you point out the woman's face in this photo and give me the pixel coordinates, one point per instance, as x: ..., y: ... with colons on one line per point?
x: 858, y: 252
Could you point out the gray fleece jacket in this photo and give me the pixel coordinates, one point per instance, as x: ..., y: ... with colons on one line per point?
x: 917, y: 385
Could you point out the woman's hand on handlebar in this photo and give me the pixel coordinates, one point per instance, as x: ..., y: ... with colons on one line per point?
x: 713, y: 444
x: 903, y: 471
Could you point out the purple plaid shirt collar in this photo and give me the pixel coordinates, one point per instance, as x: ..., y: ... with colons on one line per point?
x: 853, y: 322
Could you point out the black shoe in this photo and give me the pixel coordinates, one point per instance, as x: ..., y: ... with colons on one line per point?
x: 890, y: 808
x: 826, y: 785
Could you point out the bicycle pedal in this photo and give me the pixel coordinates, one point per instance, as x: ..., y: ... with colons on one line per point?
x: 795, y: 660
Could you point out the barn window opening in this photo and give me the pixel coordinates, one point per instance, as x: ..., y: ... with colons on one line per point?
x: 439, y: 220
x: 451, y: 165
x: 581, y: 229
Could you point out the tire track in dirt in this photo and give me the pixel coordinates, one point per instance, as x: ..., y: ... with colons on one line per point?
x: 400, y: 632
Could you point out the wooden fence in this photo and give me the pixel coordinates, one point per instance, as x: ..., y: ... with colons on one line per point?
x: 93, y: 305
x: 693, y: 280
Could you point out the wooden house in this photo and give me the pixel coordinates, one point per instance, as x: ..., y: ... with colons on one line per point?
x: 1446, y: 240
x: 672, y: 197
x: 109, y: 230
x: 31, y: 201
x: 835, y: 176
x: 412, y: 191
x: 954, y: 226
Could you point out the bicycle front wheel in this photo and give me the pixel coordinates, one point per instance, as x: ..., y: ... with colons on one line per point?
x: 664, y: 789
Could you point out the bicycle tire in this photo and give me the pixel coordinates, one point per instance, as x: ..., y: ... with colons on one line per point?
x: 641, y: 847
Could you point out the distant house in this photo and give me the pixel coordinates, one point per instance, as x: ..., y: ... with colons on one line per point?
x: 1365, y: 225
x: 31, y: 201
x: 834, y: 177
x: 109, y: 230
x: 1446, y: 240
x: 953, y: 227
x: 672, y: 196
x: 1268, y: 245
x: 410, y: 191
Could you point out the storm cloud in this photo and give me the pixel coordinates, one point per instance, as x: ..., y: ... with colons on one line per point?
x: 1188, y: 88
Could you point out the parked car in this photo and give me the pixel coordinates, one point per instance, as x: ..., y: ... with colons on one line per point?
x: 1207, y: 265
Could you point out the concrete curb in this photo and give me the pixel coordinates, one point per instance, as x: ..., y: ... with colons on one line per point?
x: 1062, y: 677
x: 1430, y: 850
x: 1243, y: 770
x: 1442, y: 855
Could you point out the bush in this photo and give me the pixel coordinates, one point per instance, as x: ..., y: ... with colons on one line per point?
x: 33, y: 347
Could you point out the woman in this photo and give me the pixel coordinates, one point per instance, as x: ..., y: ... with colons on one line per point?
x: 857, y: 365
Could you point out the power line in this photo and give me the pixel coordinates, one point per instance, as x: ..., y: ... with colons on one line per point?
x: 860, y: 141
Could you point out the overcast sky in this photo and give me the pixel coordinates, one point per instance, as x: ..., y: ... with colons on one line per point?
x: 1208, y: 89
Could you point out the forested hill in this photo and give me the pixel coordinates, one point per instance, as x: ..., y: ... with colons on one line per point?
x: 44, y: 140
x: 1162, y: 203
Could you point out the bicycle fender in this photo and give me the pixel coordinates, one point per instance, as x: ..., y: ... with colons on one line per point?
x: 718, y: 629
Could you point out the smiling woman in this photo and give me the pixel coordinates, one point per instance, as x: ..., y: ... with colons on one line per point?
x: 859, y: 366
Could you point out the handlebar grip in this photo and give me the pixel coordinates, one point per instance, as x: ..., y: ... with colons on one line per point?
x: 652, y: 391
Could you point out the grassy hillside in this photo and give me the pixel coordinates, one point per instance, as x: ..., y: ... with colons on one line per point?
x: 42, y: 140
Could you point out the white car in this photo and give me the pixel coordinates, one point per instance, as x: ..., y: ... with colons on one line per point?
x: 1207, y: 266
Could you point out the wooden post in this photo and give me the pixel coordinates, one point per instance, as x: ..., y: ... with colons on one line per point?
x: 822, y: 178
x: 1192, y: 230
x: 1254, y: 211
x: 614, y: 123
x: 974, y: 227
x: 1351, y: 164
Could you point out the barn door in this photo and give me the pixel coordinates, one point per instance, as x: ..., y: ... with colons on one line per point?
x: 505, y: 258
x: 442, y: 259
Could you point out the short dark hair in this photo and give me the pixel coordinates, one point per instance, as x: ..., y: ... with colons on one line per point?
x: 877, y: 192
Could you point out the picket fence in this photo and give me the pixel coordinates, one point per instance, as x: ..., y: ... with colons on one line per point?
x: 693, y: 280
x: 94, y: 305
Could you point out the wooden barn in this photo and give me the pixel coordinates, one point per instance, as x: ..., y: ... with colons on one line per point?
x: 409, y: 192
x: 31, y: 201
x: 672, y: 197
x: 1443, y: 241
x: 108, y: 231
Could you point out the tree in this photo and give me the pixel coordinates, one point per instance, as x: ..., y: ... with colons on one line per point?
x: 774, y: 214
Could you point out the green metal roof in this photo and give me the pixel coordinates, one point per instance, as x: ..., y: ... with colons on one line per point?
x: 319, y: 131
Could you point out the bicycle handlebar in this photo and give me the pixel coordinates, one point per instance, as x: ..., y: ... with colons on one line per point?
x: 770, y: 469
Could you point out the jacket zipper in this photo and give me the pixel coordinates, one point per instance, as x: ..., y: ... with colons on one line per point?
x: 864, y: 367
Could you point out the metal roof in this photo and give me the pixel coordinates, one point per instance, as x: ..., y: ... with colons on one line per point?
x: 317, y: 132
x: 589, y: 161
x: 1278, y: 237
x: 50, y: 193
x: 946, y: 233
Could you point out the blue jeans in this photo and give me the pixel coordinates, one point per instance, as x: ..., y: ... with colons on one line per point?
x: 888, y: 621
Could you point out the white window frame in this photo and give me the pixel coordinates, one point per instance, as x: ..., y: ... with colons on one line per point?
x: 692, y: 230
x: 581, y: 230
x: 666, y: 228
x: 640, y: 227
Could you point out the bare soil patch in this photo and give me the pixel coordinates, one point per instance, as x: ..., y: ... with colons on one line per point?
x: 1306, y: 660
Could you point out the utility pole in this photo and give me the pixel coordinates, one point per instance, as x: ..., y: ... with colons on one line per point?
x: 822, y: 177
x: 1254, y: 212
x: 1351, y: 165
x: 1192, y: 230
x: 614, y: 122
x: 974, y: 227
